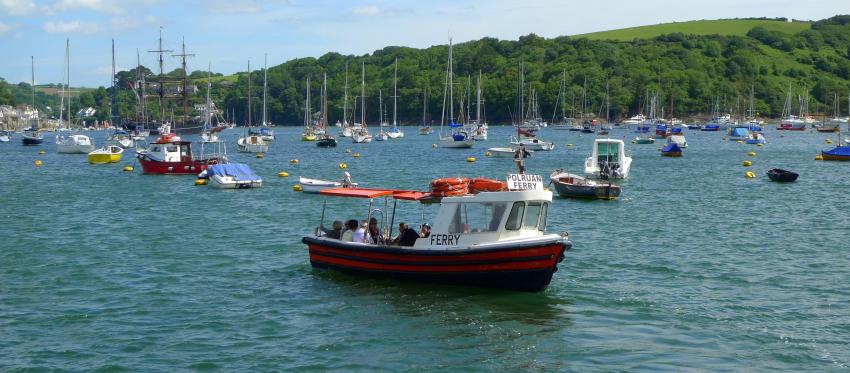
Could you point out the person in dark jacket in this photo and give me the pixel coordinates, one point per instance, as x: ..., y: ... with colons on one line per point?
x: 335, y: 232
x: 408, y: 235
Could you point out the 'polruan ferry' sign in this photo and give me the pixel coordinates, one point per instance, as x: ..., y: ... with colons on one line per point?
x: 525, y: 182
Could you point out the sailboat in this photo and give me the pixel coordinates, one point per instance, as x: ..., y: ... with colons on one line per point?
x: 33, y: 136
x: 525, y: 133
x: 833, y: 124
x: 360, y: 133
x: 381, y: 136
x: 109, y: 153
x: 251, y: 143
x: 264, y: 130
x: 565, y: 122
x: 345, y: 127
x: 71, y: 144
x: 210, y: 134
x: 789, y: 121
x: 425, y: 128
x: 309, y: 131
x: 325, y: 140
x: 754, y: 123
x: 457, y: 135
x: 395, y: 132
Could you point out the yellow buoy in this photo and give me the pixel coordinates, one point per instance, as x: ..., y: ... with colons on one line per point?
x: 470, y: 159
x: 760, y: 145
x: 41, y: 152
x: 750, y: 175
x: 751, y: 153
x: 283, y: 174
x: 260, y: 155
x: 200, y: 182
x: 487, y: 154
x: 356, y: 155
x: 818, y: 157
x: 297, y: 188
x: 633, y: 142
x: 128, y: 168
x: 293, y: 161
x: 569, y: 145
x: 748, y: 163
x: 828, y: 141
x: 433, y: 145
x: 342, y: 165
x: 38, y: 163
x: 740, y: 141
x: 348, y: 150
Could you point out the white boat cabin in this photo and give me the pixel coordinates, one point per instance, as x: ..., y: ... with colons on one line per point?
x: 488, y: 217
x: 610, y: 153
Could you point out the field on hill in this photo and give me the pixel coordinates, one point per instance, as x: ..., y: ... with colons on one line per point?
x: 727, y: 27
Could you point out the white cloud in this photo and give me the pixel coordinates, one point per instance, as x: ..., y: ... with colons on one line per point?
x: 63, y: 27
x: 4, y: 28
x: 101, y: 6
x: 369, y: 10
x: 16, y: 7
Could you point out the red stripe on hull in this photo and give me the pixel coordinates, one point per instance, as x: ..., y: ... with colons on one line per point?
x: 552, y: 250
x: 175, y: 168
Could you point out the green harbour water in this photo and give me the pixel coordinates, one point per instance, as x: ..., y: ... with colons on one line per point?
x: 694, y: 268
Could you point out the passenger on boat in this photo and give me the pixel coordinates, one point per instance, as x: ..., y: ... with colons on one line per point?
x: 335, y: 232
x: 425, y: 232
x: 519, y: 157
x: 360, y: 233
x: 407, y: 237
x: 350, y: 227
x: 375, y: 232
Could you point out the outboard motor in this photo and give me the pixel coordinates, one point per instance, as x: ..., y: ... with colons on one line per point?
x: 604, y: 170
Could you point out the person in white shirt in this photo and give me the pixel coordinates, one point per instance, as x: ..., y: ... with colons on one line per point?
x: 360, y: 234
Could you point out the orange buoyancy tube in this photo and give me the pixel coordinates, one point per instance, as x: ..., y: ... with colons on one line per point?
x: 487, y: 185
x: 450, y: 193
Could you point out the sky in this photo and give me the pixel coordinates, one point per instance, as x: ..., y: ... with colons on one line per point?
x: 227, y: 33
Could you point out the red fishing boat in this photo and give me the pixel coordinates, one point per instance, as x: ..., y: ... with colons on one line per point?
x: 170, y: 155
x: 487, y: 239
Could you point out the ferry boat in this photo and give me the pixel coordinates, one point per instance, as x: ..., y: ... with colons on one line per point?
x: 487, y: 239
x: 170, y: 155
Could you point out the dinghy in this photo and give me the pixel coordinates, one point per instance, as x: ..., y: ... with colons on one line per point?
x: 780, y: 175
x: 106, y: 154
x: 309, y: 185
x: 574, y: 186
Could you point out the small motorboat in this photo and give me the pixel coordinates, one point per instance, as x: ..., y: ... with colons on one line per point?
x: 74, y: 144
x: 679, y: 140
x: 756, y: 138
x: 309, y: 136
x: 231, y: 176
x: 326, y: 142
x: 671, y: 150
x: 490, y: 239
x: 644, y: 140
x: 170, y: 155
x: 252, y: 144
x: 780, y: 175
x: 574, y: 186
x: 694, y: 126
x: 608, y: 159
x: 122, y: 139
x: 504, y: 152
x: 106, y: 154
x: 5, y: 136
x: 32, y: 137
x: 309, y: 185
x: 381, y: 136
x: 361, y: 136
x: 532, y: 143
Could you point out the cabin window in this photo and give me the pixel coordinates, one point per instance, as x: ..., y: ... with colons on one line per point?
x: 544, y: 215
x: 608, y: 152
x: 532, y: 215
x: 477, y: 217
x: 155, y: 149
x: 171, y: 149
x: 515, y: 218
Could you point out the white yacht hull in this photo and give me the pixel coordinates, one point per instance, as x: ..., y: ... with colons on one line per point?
x: 448, y: 142
x: 228, y: 182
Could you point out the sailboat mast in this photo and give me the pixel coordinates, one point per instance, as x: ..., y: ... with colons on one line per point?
x: 345, y: 99
x: 307, y: 111
x: 113, y: 108
x: 363, y: 94
x: 141, y: 79
x: 68, y: 82
x: 209, y: 103
x: 250, y: 98
x: 325, y: 101
x: 265, y: 87
x: 478, y: 100
x: 451, y: 89
x: 395, y: 92
x: 32, y: 83
x: 607, y: 105
x: 64, y: 78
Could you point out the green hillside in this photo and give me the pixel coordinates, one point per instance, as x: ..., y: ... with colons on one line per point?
x: 726, y: 27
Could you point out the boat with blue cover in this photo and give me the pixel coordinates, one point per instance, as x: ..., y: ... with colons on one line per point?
x: 232, y: 176
x: 739, y: 133
x: 839, y: 153
x: 671, y: 150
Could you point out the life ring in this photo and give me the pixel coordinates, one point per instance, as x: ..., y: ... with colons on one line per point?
x: 449, y: 181
x: 487, y: 185
x: 450, y: 193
